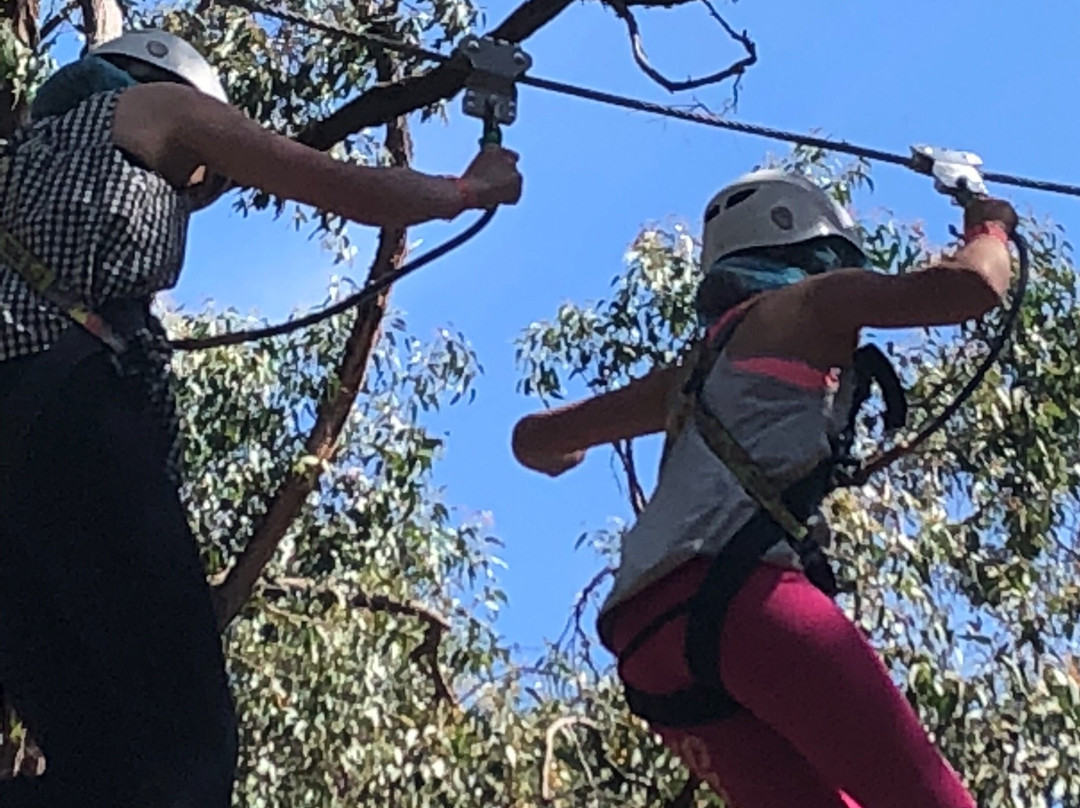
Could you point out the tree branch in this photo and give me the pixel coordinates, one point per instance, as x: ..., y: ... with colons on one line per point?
x: 321, y: 443
x: 428, y: 649
x: 58, y: 19
x: 326, y: 590
x: 445, y: 81
x: 383, y: 102
x: 102, y: 20
x: 621, y: 7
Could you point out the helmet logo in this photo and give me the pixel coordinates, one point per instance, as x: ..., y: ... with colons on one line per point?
x: 782, y: 217
x: 157, y: 49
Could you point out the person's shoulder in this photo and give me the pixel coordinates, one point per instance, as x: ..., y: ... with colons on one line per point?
x: 810, y: 321
x: 149, y: 117
x: 160, y: 102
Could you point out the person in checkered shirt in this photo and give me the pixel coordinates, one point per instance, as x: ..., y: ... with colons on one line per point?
x: 109, y: 648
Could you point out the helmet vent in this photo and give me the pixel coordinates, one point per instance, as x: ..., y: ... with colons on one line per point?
x: 739, y: 197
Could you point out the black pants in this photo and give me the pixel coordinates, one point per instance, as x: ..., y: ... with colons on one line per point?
x: 108, y: 644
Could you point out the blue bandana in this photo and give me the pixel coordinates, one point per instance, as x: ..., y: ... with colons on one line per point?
x: 74, y: 83
x: 759, y: 274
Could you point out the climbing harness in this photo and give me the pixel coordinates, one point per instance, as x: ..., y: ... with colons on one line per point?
x: 789, y: 516
x: 490, y: 95
x: 43, y: 281
x: 792, y: 515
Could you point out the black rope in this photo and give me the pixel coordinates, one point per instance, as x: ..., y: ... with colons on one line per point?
x: 366, y: 294
x: 887, y: 457
x: 709, y: 119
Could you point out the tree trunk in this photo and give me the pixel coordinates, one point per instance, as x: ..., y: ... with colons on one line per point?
x: 102, y: 20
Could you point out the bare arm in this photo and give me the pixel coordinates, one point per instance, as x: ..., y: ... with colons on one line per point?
x: 556, y: 439
x: 166, y: 124
x: 945, y: 293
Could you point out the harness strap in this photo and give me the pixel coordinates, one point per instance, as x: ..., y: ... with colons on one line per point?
x: 725, y: 445
x: 700, y: 362
x: 782, y: 516
x: 43, y: 280
x: 46, y: 371
x: 707, y: 700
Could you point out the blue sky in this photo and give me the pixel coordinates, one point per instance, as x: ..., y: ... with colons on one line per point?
x: 977, y: 75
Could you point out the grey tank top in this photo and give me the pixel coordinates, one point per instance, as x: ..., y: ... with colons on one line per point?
x: 783, y: 413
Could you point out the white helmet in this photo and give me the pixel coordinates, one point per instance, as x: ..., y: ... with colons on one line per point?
x: 771, y: 208
x: 166, y: 52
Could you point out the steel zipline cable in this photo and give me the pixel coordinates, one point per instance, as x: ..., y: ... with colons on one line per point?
x: 369, y: 291
x: 638, y: 105
x: 883, y: 457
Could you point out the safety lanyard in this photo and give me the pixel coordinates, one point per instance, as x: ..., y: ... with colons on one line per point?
x: 725, y: 446
x: 749, y: 474
x: 43, y: 281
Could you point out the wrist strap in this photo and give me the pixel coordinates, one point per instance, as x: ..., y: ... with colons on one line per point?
x: 992, y: 229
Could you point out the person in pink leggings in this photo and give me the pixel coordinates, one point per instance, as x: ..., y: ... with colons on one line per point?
x: 723, y: 622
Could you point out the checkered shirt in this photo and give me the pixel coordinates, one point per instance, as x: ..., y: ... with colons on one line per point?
x: 108, y: 228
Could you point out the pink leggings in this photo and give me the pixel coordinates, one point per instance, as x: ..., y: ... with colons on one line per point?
x: 824, y: 726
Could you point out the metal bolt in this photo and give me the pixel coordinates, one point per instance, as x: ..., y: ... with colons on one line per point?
x: 519, y: 59
x: 473, y: 45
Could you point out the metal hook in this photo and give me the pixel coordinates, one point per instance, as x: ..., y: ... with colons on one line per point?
x: 491, y: 86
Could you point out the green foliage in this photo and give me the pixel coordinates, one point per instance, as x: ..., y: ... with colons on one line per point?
x: 366, y: 668
x: 22, y: 68
x: 962, y: 558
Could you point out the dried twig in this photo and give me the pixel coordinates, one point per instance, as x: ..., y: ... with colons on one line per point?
x: 557, y: 726
x: 58, y: 19
x: 573, y: 624
x: 622, y: 8
x: 582, y: 600
x: 597, y: 734
x: 624, y: 449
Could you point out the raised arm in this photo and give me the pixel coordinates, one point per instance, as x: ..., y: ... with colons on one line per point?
x: 947, y: 292
x: 167, y: 125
